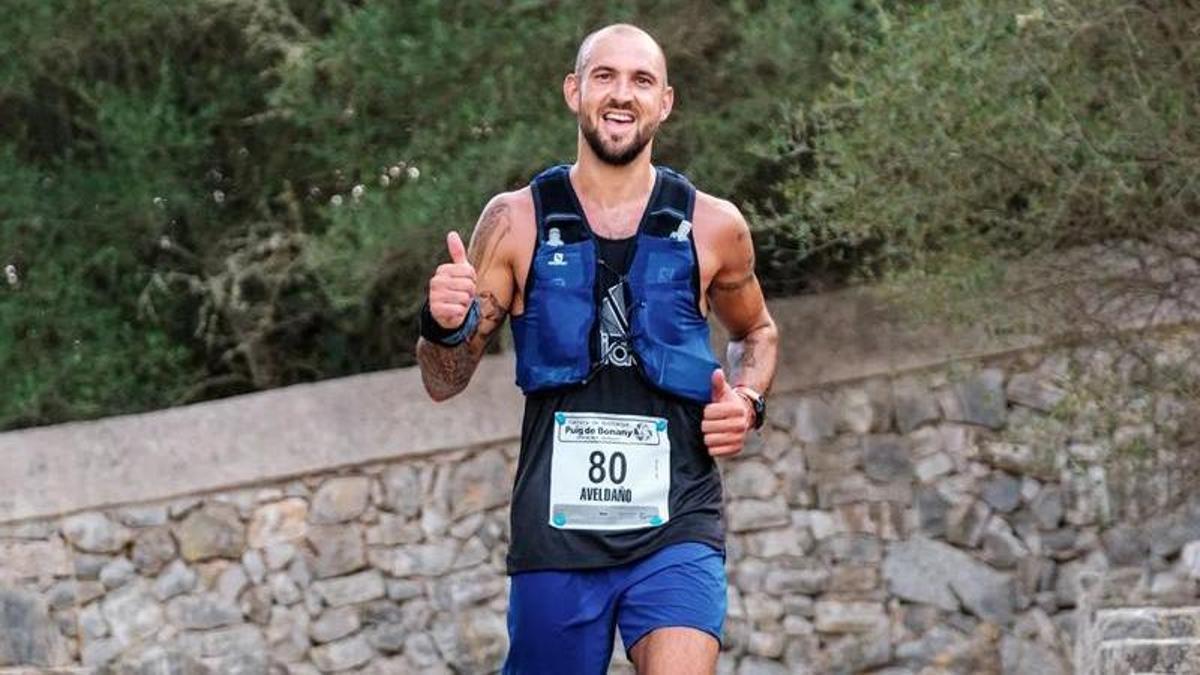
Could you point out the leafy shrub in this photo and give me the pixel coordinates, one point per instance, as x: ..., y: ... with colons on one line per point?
x: 972, y: 135
x: 170, y: 177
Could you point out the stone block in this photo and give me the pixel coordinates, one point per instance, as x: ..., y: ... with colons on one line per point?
x: 884, y: 520
x: 965, y: 523
x: 118, y: 572
x: 32, y: 559
x: 921, y: 570
x: 1047, y: 507
x: 28, y: 635
x: 855, y: 549
x: 337, y: 549
x: 809, y: 580
x: 402, y: 490
x: 929, y: 469
x: 745, y: 515
x: 779, y: 542
x: 1034, y: 390
x: 855, y: 414
x: 932, y: 511
x: 1001, y: 547
x: 886, y: 458
x: 844, y: 488
x: 95, y: 533
x: 915, y: 406
x: 175, y: 579
x: 472, y: 641
x: 132, y: 613
x: 284, y: 521
x: 342, y: 654
x: 1002, y: 492
x: 147, y: 515
x: 978, y: 400
x: 458, y: 591
x: 767, y: 644
x: 349, y: 590
x: 153, y: 548
x: 211, y: 532
x: 334, y: 624
x: 813, y: 420
x: 392, y: 530
x: 340, y: 499
x: 201, y: 612
x: 750, y: 479
x: 480, y: 483
x: 1022, y: 459
x: 287, y: 634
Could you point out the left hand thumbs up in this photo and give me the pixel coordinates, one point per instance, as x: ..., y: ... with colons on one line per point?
x: 726, y: 419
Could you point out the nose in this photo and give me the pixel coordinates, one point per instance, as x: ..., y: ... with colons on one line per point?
x: 622, y: 90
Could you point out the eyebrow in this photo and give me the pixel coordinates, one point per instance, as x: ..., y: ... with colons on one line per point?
x: 638, y: 72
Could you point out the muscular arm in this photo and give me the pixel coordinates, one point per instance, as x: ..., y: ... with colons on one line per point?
x: 447, y: 370
x: 736, y: 298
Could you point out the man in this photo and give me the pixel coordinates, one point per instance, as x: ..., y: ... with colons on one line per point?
x: 608, y: 268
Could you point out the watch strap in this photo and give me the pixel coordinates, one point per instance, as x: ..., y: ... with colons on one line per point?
x: 757, y: 403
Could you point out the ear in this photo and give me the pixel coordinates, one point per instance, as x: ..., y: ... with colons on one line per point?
x: 668, y: 101
x: 571, y: 92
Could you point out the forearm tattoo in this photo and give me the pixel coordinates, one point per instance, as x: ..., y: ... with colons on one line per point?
x: 752, y: 359
x: 445, y: 370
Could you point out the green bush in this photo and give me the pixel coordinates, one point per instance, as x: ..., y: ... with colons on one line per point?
x: 170, y: 173
x: 973, y: 135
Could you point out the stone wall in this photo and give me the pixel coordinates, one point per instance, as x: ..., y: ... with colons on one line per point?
x: 1028, y: 512
x: 375, y: 567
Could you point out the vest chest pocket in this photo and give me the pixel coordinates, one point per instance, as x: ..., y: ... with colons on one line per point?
x: 665, y: 261
x: 553, y: 333
x: 564, y: 266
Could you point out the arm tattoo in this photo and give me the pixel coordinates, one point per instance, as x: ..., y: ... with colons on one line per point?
x: 491, y: 314
x: 494, y: 226
x: 730, y: 286
x: 752, y: 358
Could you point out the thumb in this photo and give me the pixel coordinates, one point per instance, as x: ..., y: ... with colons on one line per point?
x: 720, y: 388
x: 458, y: 252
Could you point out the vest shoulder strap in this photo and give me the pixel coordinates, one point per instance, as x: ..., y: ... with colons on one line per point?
x: 555, y: 206
x: 674, y: 204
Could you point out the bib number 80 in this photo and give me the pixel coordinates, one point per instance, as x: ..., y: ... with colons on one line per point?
x: 616, y: 464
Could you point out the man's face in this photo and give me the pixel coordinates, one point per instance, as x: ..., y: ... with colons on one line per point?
x: 620, y: 96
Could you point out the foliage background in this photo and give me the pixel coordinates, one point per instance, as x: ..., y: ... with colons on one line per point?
x: 179, y: 218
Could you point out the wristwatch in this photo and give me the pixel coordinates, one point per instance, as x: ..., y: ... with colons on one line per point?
x: 756, y: 401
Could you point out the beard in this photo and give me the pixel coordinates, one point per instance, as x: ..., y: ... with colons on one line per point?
x: 618, y: 157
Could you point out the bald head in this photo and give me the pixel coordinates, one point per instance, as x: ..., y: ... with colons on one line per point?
x: 621, y: 30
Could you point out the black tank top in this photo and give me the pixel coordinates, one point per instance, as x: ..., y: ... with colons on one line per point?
x: 618, y: 388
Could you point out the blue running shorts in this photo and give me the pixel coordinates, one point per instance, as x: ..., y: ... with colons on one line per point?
x: 563, y: 621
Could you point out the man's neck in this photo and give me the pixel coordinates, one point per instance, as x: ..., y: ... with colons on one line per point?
x: 609, y: 186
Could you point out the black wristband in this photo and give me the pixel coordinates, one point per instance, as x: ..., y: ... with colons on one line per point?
x: 433, y: 331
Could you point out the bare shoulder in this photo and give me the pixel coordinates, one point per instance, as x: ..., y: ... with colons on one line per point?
x: 505, y: 227
x: 518, y: 204
x: 718, y: 222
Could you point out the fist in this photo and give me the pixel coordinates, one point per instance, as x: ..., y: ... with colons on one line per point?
x: 726, y: 419
x: 452, y: 287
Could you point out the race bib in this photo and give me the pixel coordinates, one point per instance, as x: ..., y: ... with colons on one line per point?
x: 609, y: 472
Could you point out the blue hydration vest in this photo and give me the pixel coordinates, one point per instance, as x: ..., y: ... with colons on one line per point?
x: 668, y: 334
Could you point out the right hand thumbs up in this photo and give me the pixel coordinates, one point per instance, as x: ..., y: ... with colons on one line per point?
x: 452, y: 287
x: 458, y: 252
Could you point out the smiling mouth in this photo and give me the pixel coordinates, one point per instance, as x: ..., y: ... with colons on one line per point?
x: 618, y: 120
